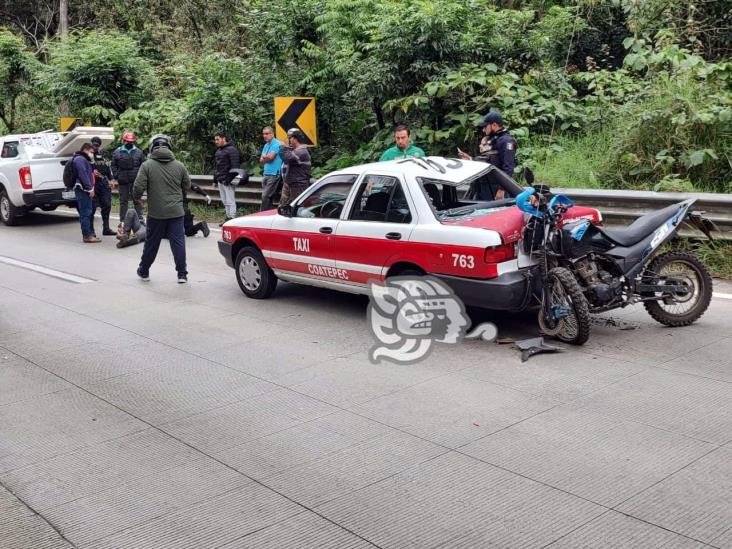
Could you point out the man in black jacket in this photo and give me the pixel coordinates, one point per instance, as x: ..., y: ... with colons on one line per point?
x: 227, y: 159
x: 103, y: 192
x: 126, y: 162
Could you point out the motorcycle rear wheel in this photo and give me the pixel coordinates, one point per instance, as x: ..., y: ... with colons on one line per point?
x: 566, y: 292
x: 679, y: 310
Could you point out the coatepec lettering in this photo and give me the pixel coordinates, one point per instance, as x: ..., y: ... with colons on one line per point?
x: 330, y: 272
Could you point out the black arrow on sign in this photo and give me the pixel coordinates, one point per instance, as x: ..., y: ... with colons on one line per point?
x: 288, y: 120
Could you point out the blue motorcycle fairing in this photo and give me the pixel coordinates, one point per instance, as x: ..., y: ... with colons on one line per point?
x: 524, y: 204
x: 560, y: 199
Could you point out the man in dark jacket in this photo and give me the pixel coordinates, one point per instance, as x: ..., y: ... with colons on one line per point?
x: 103, y: 191
x: 227, y: 159
x: 84, y: 189
x: 296, y: 159
x: 126, y: 162
x: 166, y: 181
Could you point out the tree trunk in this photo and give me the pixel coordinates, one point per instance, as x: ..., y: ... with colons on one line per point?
x: 376, y: 106
x: 63, y: 18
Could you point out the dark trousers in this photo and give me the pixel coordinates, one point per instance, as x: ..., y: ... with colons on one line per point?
x: 125, y: 195
x: 193, y: 229
x: 86, y: 212
x: 172, y: 229
x: 103, y: 200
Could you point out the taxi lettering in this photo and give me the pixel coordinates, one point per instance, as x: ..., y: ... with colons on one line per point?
x: 301, y: 244
x: 331, y: 272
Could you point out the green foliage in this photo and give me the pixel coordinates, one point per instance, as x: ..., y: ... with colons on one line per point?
x: 598, y: 93
x: 17, y: 69
x: 680, y: 124
x: 102, y: 72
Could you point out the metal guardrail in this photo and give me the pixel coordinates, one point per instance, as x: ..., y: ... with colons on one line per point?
x: 618, y: 208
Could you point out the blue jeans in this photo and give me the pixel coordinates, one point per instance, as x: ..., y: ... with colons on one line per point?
x: 86, y: 212
x: 173, y: 230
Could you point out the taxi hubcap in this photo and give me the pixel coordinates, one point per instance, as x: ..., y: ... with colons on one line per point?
x: 4, y: 207
x: 250, y: 274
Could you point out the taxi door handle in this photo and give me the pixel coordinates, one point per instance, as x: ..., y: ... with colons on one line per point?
x: 326, y: 230
x: 394, y: 236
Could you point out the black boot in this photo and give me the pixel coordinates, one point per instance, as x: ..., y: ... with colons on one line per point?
x: 106, y: 231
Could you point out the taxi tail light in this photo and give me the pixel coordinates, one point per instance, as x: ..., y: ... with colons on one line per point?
x: 499, y: 254
x: 25, y: 177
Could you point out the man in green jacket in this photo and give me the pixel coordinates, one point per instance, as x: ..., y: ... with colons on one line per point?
x: 403, y: 147
x: 166, y: 181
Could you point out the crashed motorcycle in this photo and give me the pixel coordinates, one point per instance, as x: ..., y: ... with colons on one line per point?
x: 585, y: 268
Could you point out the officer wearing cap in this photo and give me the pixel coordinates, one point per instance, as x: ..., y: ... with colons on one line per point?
x: 498, y: 146
x: 103, y: 192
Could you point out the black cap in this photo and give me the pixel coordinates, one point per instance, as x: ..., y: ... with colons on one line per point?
x: 493, y: 117
x: 96, y: 141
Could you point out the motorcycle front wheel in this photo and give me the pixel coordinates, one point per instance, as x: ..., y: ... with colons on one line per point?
x: 679, y: 308
x: 565, y: 296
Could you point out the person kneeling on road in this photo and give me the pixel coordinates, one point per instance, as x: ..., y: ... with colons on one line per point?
x: 166, y: 181
x: 191, y: 228
x: 132, y: 231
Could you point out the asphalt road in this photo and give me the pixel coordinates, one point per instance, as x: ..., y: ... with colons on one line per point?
x: 157, y: 415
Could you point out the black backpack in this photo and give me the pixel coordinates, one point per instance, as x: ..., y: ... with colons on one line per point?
x: 70, y: 175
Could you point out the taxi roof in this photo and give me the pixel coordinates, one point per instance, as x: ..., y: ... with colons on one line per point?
x: 452, y: 170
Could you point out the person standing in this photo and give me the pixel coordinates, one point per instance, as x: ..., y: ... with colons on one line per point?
x: 102, y: 190
x: 227, y: 159
x: 166, y: 182
x: 498, y: 146
x: 126, y: 162
x: 271, y: 167
x: 403, y: 147
x: 84, y: 189
x: 296, y: 158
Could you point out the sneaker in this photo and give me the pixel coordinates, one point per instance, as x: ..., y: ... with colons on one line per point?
x: 91, y: 239
x: 206, y: 230
x: 182, y: 279
x: 143, y: 276
x: 108, y: 232
x: 122, y: 241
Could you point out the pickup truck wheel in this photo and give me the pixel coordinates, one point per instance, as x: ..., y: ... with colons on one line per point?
x: 9, y: 214
x: 254, y: 276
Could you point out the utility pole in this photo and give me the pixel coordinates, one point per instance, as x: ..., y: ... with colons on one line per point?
x: 63, y: 30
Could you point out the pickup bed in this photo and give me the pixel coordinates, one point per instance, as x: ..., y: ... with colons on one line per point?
x: 31, y: 170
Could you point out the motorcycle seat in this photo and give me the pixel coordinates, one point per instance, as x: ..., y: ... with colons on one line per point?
x: 641, y: 227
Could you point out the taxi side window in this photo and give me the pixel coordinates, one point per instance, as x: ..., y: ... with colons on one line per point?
x: 328, y: 200
x: 381, y: 198
x: 9, y: 150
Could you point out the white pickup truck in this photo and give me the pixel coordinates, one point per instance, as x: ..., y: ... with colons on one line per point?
x: 32, y: 167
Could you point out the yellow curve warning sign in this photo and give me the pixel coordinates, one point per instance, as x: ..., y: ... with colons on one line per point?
x: 296, y: 112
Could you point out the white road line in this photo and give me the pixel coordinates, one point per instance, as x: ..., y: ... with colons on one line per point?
x: 722, y: 296
x: 68, y: 277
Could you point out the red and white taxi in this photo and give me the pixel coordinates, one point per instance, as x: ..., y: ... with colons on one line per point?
x: 392, y: 218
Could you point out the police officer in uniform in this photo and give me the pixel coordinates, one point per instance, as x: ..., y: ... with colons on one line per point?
x: 103, y: 191
x: 498, y: 147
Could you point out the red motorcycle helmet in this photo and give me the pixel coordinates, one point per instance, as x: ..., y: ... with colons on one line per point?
x: 129, y: 137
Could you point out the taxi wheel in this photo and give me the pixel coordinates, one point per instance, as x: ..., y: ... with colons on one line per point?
x: 254, y: 276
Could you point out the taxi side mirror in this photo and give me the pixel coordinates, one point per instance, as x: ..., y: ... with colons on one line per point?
x: 285, y: 211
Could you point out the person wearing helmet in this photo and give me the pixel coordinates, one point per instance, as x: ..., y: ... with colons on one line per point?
x: 166, y: 182
x: 296, y: 160
x: 103, y: 197
x: 126, y: 162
